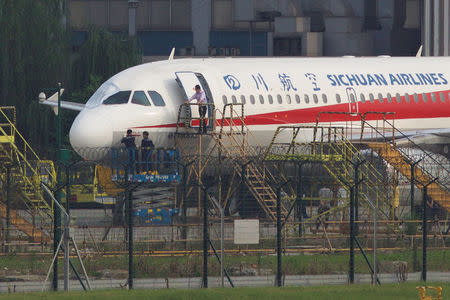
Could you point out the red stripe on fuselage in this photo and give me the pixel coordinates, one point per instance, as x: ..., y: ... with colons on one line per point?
x: 403, y: 110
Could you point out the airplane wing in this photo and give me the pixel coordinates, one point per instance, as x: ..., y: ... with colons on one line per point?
x: 434, y: 140
x: 64, y: 104
x: 432, y: 136
x: 53, y: 102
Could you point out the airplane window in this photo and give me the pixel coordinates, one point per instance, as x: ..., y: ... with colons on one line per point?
x: 252, y: 99
x: 233, y: 98
x: 441, y: 94
x: 407, y: 97
x: 363, y: 98
x: 389, y: 97
x: 316, y: 99
x: 433, y: 97
x: 118, y: 98
x: 270, y: 99
x: 280, y: 100
x: 398, y: 97
x: 103, y: 92
x: 338, y: 98
x: 261, y: 99
x: 243, y: 99
x: 416, y: 98
x: 425, y: 97
x: 371, y: 97
x: 306, y: 98
x: 288, y: 99
x: 156, y: 98
x: 380, y: 97
x: 140, y: 98
x: 297, y: 98
x: 224, y: 99
x: 324, y: 98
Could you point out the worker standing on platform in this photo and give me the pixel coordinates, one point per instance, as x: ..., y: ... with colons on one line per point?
x: 200, y: 96
x: 130, y: 145
x: 147, y: 148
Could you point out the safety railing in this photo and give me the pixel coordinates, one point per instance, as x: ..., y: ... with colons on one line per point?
x: 186, y: 118
x: 144, y: 162
x: 23, y: 150
x: 426, y: 159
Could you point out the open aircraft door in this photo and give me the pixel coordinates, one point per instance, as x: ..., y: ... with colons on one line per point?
x: 187, y: 81
x: 352, y: 99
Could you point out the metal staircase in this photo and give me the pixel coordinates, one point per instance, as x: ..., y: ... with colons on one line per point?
x: 331, y: 149
x: 26, y: 171
x: 426, y: 169
x: 400, y: 162
x: 233, y: 141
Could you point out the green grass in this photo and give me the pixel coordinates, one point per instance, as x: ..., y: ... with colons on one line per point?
x: 356, y: 292
x: 191, y: 266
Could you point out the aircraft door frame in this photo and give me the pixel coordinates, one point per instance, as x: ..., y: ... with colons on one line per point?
x: 192, y: 78
x: 353, y: 107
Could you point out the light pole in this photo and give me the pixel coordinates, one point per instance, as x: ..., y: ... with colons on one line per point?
x: 56, y: 211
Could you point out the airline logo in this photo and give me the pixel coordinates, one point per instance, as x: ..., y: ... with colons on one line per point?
x: 391, y: 79
x: 370, y: 79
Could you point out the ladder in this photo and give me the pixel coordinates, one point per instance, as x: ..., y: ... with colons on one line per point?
x: 233, y: 140
x: 27, y: 170
x: 399, y: 161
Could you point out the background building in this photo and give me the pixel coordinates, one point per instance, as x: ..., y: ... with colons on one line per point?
x: 271, y: 27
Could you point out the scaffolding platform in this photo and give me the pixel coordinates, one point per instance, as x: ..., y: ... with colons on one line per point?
x: 21, y: 173
x: 159, y: 166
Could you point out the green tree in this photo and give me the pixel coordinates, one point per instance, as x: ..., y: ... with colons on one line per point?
x: 35, y: 53
x: 102, y: 55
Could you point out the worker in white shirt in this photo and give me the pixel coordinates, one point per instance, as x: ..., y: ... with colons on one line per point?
x: 200, y: 96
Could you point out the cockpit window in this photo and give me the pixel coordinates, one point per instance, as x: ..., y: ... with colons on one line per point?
x: 156, y: 98
x: 104, y: 91
x: 118, y: 98
x: 140, y: 98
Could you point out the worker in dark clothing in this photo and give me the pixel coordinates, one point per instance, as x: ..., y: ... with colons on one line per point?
x: 147, y: 148
x: 200, y: 96
x: 129, y: 140
x: 323, y: 218
x: 130, y: 145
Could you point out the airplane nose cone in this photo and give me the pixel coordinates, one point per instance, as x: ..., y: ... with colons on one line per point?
x: 91, y: 135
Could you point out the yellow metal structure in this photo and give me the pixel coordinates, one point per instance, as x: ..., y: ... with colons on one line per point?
x: 231, y: 140
x: 92, y: 184
x: 398, y: 160
x: 331, y: 148
x: 27, y: 170
x: 103, y: 178
x: 427, y: 170
x: 423, y: 290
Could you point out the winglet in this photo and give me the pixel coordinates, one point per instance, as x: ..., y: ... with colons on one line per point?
x: 419, y: 52
x: 172, y: 53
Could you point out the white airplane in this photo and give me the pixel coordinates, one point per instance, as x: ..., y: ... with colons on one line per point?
x: 275, y: 91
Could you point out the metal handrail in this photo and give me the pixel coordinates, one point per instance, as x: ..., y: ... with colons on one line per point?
x: 187, y: 119
x: 407, y: 156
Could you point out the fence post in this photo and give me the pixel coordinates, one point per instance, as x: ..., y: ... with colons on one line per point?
x: 8, y: 207
x: 129, y: 211
x: 412, y: 192
x: 205, y: 239
x: 278, y: 281
x: 424, y: 234
x: 242, y: 191
x: 351, y: 273
x: 299, y: 200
